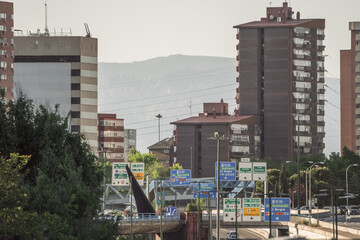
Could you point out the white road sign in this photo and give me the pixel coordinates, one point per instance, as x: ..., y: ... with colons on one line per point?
x: 119, y: 174
x: 138, y: 171
x: 245, y: 171
x: 229, y: 209
x: 252, y: 209
x: 259, y: 171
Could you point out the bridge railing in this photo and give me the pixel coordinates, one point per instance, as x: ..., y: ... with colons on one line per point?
x: 149, y: 218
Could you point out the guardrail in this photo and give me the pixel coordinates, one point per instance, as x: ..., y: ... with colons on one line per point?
x: 149, y: 218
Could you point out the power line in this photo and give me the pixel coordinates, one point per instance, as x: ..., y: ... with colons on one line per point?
x: 157, y: 110
x: 173, y: 94
x: 162, y: 102
x: 332, y: 104
x: 170, y: 79
x: 332, y: 89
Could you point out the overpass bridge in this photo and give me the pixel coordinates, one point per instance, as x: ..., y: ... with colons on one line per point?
x: 120, y: 196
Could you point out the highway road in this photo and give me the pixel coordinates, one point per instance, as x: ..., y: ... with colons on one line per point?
x: 244, y: 233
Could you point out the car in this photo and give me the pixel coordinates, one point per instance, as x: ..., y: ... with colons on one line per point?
x: 353, y: 210
x: 233, y: 235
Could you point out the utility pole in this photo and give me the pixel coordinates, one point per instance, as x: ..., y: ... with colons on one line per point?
x: 161, y: 213
x: 298, y: 163
x: 191, y: 162
x: 198, y: 217
x: 131, y: 211
x: 158, y: 117
x: 104, y: 151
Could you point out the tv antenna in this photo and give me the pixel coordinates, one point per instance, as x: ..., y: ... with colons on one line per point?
x: 46, y: 25
x: 88, y: 34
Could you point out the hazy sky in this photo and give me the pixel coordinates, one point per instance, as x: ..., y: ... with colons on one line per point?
x: 134, y: 30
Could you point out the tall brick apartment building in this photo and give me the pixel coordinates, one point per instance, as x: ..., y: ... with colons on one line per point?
x: 111, y: 137
x: 281, y: 79
x: 6, y: 48
x: 350, y: 91
x: 194, y: 149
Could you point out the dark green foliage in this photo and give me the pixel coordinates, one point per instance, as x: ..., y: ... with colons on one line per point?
x: 62, y: 179
x: 283, y: 180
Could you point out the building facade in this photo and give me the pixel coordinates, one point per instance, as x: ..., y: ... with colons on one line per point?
x: 111, y: 137
x: 60, y: 70
x: 350, y: 91
x: 130, y: 141
x: 281, y: 79
x: 6, y: 48
x: 164, y: 151
x: 195, y: 148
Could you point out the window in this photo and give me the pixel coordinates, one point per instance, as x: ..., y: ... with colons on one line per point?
x: 3, y: 15
x: 3, y: 65
x: 320, y: 31
x: 303, y: 63
x: 2, y: 28
x: 2, y: 77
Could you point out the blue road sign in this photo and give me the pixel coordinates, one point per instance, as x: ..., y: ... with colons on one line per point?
x: 280, y: 209
x: 171, y: 211
x: 180, y: 177
x: 205, y: 190
x: 227, y: 171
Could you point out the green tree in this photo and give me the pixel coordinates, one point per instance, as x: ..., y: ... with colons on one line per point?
x: 283, y: 180
x: 63, y: 177
x: 148, y: 158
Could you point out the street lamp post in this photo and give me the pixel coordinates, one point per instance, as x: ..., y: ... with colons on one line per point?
x: 104, y: 151
x: 347, y: 182
x: 158, y: 117
x: 310, y: 205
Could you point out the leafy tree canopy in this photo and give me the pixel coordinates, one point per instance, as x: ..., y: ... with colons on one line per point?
x: 62, y: 179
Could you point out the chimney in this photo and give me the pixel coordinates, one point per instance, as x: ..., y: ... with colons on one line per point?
x: 222, y: 100
x: 214, y: 113
x: 285, y: 4
x: 298, y: 16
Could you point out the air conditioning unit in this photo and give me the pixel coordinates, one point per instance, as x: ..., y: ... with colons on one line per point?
x: 278, y: 19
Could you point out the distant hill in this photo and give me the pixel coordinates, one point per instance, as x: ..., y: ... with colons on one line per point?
x: 138, y: 91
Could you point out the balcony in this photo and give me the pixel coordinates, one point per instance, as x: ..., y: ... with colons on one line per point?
x: 321, y: 80
x: 321, y: 145
x: 304, y: 57
x: 302, y: 90
x: 320, y: 37
x: 357, y: 48
x: 320, y: 47
x: 321, y: 90
x: 357, y: 37
x: 320, y: 112
x: 238, y: 36
x: 301, y: 100
x: 320, y: 58
x: 303, y: 79
x: 321, y: 102
x: 320, y: 123
x: 321, y: 134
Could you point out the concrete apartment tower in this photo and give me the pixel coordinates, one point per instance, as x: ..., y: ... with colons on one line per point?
x: 281, y: 79
x: 350, y: 91
x: 6, y: 48
x: 111, y: 137
x: 60, y: 69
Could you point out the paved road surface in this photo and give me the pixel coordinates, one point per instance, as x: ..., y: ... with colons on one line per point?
x: 243, y: 234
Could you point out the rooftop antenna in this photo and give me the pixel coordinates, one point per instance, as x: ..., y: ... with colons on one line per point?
x: 46, y: 26
x: 190, y: 109
x: 88, y: 34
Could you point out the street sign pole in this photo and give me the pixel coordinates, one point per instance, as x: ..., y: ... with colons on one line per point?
x: 270, y: 213
x: 218, y: 186
x: 236, y: 212
x: 198, y: 216
x: 131, y: 211
x: 210, y: 216
x: 161, y: 215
